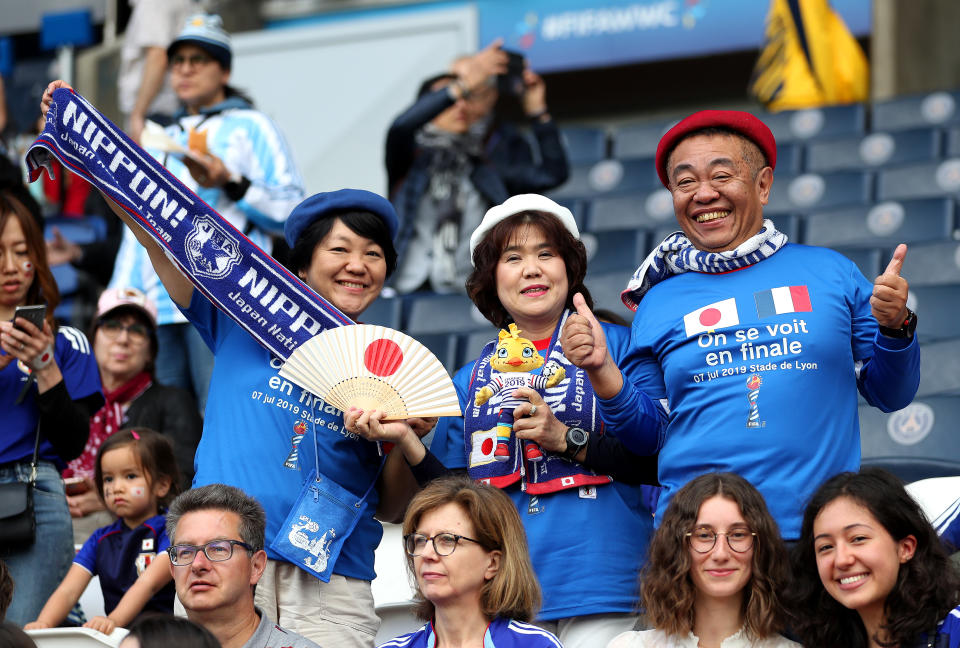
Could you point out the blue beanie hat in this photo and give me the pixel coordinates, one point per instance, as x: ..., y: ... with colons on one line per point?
x: 331, y: 203
x: 206, y: 32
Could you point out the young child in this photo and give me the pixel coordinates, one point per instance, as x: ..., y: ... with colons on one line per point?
x: 869, y: 569
x: 136, y: 476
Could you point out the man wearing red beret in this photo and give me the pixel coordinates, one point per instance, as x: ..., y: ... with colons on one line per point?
x: 754, y: 345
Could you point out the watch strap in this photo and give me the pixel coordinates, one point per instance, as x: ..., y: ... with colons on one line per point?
x: 906, y: 329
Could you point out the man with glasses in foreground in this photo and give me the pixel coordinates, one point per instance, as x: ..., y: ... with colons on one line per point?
x: 217, y: 557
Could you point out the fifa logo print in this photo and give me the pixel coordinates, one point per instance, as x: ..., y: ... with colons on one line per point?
x: 753, y: 395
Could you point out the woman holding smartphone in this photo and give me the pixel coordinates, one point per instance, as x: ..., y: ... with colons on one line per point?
x: 49, y: 387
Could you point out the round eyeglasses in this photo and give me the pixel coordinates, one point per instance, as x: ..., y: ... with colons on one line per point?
x: 703, y: 539
x: 182, y: 555
x: 136, y: 332
x: 443, y: 543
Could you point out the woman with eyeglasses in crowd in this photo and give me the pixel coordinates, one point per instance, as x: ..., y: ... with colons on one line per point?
x: 124, y: 336
x: 49, y: 387
x: 715, y: 571
x: 467, y: 553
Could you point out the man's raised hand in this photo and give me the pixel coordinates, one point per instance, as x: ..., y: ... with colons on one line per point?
x: 889, y: 300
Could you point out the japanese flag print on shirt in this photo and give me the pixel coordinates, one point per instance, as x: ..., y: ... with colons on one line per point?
x: 713, y: 316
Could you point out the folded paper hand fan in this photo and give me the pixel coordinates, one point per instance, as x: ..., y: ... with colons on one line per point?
x: 155, y: 137
x: 373, y: 367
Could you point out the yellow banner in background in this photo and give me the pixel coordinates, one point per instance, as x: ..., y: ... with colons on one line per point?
x: 809, y: 59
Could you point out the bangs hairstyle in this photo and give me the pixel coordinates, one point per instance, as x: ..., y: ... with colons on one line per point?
x: 514, y: 592
x: 667, y: 590
x: 927, y: 585
x: 154, y: 453
x: 361, y: 223
x: 119, y: 311
x: 43, y: 288
x: 482, y: 282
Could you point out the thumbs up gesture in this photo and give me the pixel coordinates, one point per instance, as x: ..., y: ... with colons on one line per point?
x: 584, y: 343
x: 889, y: 300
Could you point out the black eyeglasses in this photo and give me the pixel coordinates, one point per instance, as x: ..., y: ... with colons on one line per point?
x: 195, y: 60
x: 182, y: 555
x: 703, y: 539
x: 137, y: 332
x: 443, y: 543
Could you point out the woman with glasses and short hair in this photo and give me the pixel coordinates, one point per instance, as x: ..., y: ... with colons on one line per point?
x: 715, y: 571
x: 124, y: 336
x: 467, y: 552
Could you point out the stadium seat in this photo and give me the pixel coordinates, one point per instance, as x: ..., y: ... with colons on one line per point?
x: 867, y: 259
x: 605, y: 289
x: 917, y: 442
x: 615, y: 249
x: 874, y: 150
x: 429, y: 314
x: 884, y: 224
x: 939, y: 310
x: 473, y: 344
x: 641, y: 139
x: 940, y: 369
x: 584, y: 144
x: 933, y: 264
x: 642, y: 209
x: 816, y: 123
x: 814, y: 191
x: 952, y: 146
x: 925, y: 180
x: 608, y: 177
x: 442, y: 345
x: 934, y: 109
x: 789, y: 159
x: 384, y: 312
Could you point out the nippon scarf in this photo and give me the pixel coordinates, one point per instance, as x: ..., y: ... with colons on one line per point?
x: 676, y: 254
x: 106, y: 421
x: 572, y: 401
x: 251, y: 287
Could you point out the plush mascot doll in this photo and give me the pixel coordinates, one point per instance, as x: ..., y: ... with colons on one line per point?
x: 513, y: 359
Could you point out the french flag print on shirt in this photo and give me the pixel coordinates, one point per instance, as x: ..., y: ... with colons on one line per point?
x: 713, y: 316
x: 785, y: 299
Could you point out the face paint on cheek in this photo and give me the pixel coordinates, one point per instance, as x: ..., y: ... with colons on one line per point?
x: 27, y: 268
x: 136, y: 491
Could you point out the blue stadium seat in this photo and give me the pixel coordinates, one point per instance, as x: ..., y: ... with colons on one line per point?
x: 934, y: 109
x: 605, y: 289
x: 816, y: 123
x: 917, y: 442
x: 939, y: 310
x: 621, y: 250
x: 932, y: 264
x: 884, y: 224
x: 642, y: 209
x: 789, y: 159
x: 641, y: 139
x: 813, y: 191
x: 384, y: 311
x: 473, y: 344
x: 952, y: 146
x: 920, y: 180
x: 442, y: 345
x: 428, y: 314
x: 584, y: 144
x: 867, y: 259
x: 874, y: 150
x: 940, y: 368
x: 608, y: 177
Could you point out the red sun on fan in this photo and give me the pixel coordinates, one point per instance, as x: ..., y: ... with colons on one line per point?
x: 383, y: 357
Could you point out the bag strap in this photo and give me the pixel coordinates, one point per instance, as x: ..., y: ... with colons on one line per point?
x: 36, y: 455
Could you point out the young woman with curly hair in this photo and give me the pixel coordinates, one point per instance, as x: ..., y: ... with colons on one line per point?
x: 715, y: 571
x: 870, y: 571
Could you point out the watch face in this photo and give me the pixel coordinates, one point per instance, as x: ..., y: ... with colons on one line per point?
x: 578, y: 436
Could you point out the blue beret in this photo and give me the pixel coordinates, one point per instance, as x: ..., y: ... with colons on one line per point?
x: 331, y: 203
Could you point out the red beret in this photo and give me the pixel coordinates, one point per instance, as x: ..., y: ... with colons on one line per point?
x: 742, y: 122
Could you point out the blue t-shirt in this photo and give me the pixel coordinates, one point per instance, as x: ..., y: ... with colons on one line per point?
x: 118, y: 555
x: 501, y: 633
x: 80, y: 376
x: 948, y: 634
x: 587, y: 545
x: 761, y: 369
x: 257, y: 436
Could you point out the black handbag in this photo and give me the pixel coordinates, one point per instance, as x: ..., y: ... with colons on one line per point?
x: 18, y: 526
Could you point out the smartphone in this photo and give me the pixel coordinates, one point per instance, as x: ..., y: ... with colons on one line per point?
x: 511, y: 82
x: 74, y: 485
x: 33, y: 314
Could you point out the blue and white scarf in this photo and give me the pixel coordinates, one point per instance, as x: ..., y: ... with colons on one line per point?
x: 274, y: 306
x: 676, y: 254
x: 572, y: 401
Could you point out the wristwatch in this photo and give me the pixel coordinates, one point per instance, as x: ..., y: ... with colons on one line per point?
x: 906, y: 329
x: 577, y: 439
